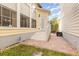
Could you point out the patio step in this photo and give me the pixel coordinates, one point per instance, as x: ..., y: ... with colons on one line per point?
x: 39, y: 36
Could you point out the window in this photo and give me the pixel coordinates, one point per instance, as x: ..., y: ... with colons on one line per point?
x: 13, y: 14
x: 6, y: 21
x: 33, y: 23
x: 13, y: 19
x: 8, y: 17
x: 0, y: 15
x: 27, y: 22
x: 5, y: 12
x: 0, y: 20
x: 0, y: 10
x: 24, y: 21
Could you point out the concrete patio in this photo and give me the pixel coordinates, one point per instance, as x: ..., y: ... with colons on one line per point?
x: 55, y: 43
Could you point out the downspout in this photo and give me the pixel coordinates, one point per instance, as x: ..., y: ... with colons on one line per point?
x: 18, y: 15
x: 30, y: 16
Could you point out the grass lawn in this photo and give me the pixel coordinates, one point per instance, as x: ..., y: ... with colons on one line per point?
x: 23, y: 50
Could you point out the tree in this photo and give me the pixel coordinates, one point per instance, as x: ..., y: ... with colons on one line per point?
x: 54, y: 25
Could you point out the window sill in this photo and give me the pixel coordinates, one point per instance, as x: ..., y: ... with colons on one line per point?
x: 15, y: 28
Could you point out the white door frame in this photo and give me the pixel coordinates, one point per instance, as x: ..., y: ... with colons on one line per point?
x: 42, y: 23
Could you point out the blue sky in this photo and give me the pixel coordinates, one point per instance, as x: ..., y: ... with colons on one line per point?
x: 53, y: 7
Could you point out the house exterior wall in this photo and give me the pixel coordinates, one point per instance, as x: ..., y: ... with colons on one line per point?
x: 33, y: 10
x: 12, y: 6
x: 39, y: 14
x: 70, y: 23
x: 13, y: 31
x: 42, y: 24
x: 11, y: 35
x: 23, y: 9
x: 6, y: 41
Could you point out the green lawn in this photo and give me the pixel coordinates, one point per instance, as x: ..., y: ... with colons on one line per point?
x: 23, y: 50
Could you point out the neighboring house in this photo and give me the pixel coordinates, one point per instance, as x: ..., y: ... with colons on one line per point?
x: 70, y: 23
x: 21, y: 21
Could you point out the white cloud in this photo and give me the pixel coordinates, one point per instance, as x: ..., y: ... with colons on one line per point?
x: 48, y: 7
x: 54, y: 12
x: 54, y: 8
x: 55, y: 15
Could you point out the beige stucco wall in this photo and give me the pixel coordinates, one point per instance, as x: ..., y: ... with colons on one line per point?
x: 33, y: 10
x: 12, y: 6
x: 42, y: 13
x: 25, y: 9
x: 70, y: 19
x: 13, y: 31
x: 11, y: 35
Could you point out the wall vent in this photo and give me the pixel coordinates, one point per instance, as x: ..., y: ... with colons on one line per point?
x: 19, y: 39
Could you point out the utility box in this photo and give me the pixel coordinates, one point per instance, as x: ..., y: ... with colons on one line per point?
x: 59, y: 34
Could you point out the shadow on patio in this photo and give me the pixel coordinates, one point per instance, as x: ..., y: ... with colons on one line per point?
x: 55, y: 43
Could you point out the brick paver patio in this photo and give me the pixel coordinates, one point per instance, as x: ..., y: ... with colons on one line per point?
x: 55, y: 43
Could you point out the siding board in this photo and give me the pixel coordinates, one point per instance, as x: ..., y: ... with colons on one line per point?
x: 70, y: 19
